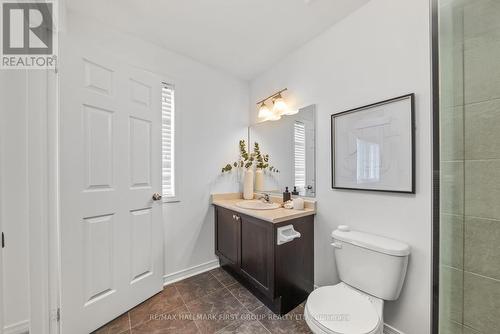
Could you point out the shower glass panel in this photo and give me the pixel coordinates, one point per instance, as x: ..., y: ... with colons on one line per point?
x: 469, y: 71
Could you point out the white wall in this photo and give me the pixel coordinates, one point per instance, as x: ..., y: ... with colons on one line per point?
x: 213, y: 112
x: 14, y: 199
x: 380, y: 51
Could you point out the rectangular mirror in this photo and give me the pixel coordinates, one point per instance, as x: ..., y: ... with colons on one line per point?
x: 291, y: 145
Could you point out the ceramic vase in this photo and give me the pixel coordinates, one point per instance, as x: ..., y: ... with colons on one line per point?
x: 259, y: 179
x: 248, y: 184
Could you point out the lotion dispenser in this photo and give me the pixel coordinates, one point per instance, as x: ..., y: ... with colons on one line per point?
x: 286, y: 195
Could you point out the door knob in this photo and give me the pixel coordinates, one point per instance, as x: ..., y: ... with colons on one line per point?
x: 156, y: 197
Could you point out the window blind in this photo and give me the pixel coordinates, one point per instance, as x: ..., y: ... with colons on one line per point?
x: 168, y: 140
x: 299, y: 134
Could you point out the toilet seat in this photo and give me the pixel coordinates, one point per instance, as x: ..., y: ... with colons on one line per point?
x: 341, y: 309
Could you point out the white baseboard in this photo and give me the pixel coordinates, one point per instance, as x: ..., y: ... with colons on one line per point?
x: 185, y: 273
x: 391, y: 330
x: 21, y: 327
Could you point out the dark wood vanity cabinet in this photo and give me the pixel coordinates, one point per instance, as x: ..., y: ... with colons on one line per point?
x: 281, y: 276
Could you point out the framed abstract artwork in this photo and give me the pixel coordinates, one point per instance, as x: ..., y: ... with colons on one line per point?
x: 373, y: 147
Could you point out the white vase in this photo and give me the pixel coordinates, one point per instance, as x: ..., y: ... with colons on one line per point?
x: 248, y: 184
x: 259, y: 179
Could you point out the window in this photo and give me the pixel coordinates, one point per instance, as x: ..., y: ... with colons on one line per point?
x: 299, y: 135
x: 168, y: 142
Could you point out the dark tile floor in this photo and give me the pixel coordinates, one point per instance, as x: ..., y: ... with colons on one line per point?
x: 211, y: 302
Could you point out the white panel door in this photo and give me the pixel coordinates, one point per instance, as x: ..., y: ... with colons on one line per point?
x: 111, y: 228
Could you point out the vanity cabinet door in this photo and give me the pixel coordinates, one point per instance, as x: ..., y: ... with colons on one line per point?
x: 227, y: 232
x: 257, y: 253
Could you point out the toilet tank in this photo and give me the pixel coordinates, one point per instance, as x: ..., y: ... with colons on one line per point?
x: 371, y: 263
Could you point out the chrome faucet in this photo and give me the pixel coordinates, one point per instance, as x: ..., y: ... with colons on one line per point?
x: 265, y: 198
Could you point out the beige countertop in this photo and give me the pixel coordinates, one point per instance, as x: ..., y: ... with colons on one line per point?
x: 279, y: 215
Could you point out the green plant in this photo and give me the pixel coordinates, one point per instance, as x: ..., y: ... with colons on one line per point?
x: 262, y: 159
x: 246, y: 159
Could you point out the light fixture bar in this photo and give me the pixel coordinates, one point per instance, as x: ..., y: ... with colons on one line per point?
x: 271, y: 96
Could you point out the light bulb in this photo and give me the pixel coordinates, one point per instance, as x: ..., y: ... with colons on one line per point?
x: 264, y: 112
x: 280, y: 107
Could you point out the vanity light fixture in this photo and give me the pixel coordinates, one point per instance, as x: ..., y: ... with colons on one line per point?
x: 279, y: 107
x: 264, y: 112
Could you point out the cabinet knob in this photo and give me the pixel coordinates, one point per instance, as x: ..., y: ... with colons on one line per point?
x: 237, y: 217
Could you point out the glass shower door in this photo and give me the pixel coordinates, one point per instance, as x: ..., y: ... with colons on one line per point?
x: 469, y: 71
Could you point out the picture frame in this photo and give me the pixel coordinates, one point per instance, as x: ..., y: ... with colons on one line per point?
x: 373, y: 147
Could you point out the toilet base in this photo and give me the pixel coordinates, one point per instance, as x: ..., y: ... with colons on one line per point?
x: 338, y: 293
x: 318, y: 330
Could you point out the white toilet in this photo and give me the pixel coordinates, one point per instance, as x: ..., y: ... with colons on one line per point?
x: 372, y: 269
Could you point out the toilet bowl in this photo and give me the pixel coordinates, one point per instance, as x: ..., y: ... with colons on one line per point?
x: 371, y: 269
x: 341, y: 309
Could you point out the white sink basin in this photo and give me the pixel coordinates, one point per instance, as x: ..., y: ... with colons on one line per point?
x: 257, y: 205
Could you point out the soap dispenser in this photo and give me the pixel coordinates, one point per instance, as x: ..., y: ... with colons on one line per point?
x: 295, y: 192
x: 286, y: 195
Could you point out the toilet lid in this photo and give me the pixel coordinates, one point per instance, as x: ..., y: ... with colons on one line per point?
x: 341, y: 309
